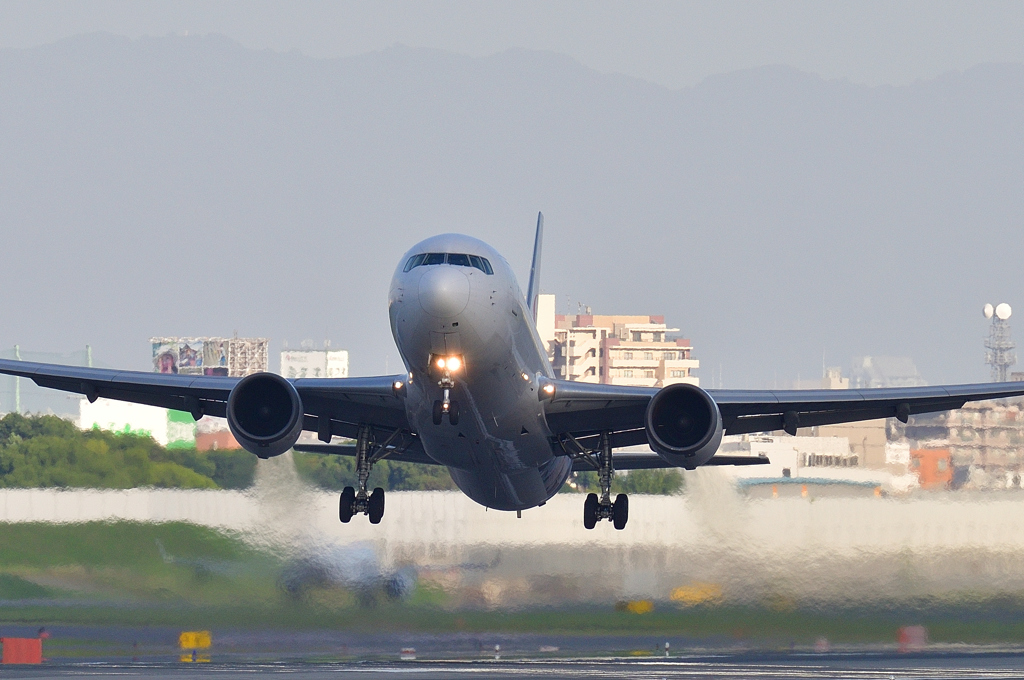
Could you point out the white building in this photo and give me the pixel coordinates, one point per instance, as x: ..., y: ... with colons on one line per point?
x: 314, y: 363
x: 819, y: 460
x: 167, y: 427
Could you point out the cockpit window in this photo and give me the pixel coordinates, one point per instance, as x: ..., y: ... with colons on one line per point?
x: 458, y: 259
x: 415, y: 261
x: 481, y: 263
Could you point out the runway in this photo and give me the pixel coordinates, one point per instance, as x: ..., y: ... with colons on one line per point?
x: 763, y: 666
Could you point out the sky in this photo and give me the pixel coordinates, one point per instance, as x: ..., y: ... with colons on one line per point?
x: 674, y: 44
x: 769, y: 175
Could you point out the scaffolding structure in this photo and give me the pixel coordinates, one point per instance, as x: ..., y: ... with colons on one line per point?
x: 247, y: 356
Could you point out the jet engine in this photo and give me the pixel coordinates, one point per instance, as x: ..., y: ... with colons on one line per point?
x: 684, y: 425
x: 265, y: 414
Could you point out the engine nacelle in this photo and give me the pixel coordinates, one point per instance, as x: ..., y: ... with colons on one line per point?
x: 684, y: 425
x: 265, y: 414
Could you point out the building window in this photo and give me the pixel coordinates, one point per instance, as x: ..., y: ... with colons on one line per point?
x: 627, y: 373
x: 637, y: 337
x: 648, y: 356
x: 627, y: 355
x: 677, y: 374
x: 670, y: 356
x: 657, y: 337
x: 648, y: 374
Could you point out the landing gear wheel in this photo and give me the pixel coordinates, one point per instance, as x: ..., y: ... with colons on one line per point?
x: 345, y: 508
x: 375, y: 506
x: 438, y: 412
x: 453, y: 412
x: 620, y: 511
x: 590, y: 511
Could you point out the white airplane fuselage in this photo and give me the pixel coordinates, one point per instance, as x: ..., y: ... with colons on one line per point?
x: 499, y: 453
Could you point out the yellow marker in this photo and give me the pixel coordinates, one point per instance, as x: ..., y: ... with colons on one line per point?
x: 195, y: 639
x: 697, y: 593
x: 640, y: 606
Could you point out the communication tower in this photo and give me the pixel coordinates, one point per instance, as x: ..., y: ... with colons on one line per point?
x: 999, y: 345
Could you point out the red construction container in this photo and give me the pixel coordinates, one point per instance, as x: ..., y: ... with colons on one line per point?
x: 934, y: 467
x: 22, y: 650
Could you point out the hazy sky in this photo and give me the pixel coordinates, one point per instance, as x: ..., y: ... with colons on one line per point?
x: 671, y: 43
x: 808, y: 203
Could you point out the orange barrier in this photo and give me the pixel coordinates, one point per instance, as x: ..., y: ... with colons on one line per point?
x: 22, y: 650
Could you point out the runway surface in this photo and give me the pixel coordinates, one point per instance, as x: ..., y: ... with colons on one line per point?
x: 859, y: 666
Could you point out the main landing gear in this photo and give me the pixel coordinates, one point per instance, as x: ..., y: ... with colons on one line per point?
x: 354, y: 501
x: 446, y: 406
x: 596, y: 508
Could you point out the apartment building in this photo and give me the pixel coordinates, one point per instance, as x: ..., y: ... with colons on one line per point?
x: 614, y: 349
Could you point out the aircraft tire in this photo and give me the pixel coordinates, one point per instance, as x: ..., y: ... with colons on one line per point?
x: 375, y: 506
x: 438, y: 413
x: 590, y: 511
x: 453, y: 413
x: 348, y: 498
x: 620, y: 511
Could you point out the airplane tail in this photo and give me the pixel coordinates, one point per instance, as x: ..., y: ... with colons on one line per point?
x: 533, y: 290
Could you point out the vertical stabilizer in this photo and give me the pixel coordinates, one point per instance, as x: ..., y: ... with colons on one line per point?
x: 533, y: 290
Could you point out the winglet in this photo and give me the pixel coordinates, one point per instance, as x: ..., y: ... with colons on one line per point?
x: 533, y: 290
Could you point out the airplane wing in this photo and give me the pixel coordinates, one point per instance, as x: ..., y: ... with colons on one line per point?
x: 584, y: 410
x: 346, y: 402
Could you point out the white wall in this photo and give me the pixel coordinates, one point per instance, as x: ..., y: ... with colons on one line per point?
x: 117, y: 416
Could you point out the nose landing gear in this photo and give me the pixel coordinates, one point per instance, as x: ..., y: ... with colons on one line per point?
x: 354, y: 501
x: 446, y: 406
x: 596, y: 508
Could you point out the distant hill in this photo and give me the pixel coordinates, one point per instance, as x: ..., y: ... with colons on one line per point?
x: 187, y: 185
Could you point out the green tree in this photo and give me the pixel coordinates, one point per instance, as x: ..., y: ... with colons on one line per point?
x: 233, y: 469
x: 333, y: 473
x: 663, y: 482
x: 47, y: 451
x: 15, y: 426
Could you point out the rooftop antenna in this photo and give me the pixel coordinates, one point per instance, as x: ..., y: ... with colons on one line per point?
x: 999, y: 346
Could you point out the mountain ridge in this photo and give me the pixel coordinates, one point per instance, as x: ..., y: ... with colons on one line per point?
x: 768, y: 207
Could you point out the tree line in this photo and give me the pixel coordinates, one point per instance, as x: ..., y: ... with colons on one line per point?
x: 49, y: 452
x: 43, y: 451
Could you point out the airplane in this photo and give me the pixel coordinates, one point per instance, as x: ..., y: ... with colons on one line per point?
x: 479, y: 397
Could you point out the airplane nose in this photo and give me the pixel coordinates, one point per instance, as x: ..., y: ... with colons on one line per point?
x: 444, y: 291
